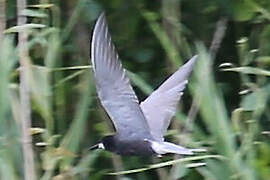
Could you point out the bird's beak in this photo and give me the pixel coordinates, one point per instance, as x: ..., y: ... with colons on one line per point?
x: 97, y: 146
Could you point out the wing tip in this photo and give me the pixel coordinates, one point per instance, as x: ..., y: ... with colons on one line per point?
x: 100, y: 20
x: 195, y: 56
x: 186, y: 69
x: 101, y: 17
x: 192, y: 61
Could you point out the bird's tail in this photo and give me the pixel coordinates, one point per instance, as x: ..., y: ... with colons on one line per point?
x: 167, y: 147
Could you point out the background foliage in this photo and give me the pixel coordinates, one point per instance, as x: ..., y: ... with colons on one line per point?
x: 225, y: 108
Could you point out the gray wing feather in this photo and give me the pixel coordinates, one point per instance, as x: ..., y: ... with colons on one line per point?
x: 113, y: 86
x: 161, y: 105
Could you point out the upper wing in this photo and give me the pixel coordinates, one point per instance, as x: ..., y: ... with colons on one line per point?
x: 160, y: 106
x: 113, y: 86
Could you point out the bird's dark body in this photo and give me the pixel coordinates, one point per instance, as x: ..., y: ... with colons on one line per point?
x: 136, y: 147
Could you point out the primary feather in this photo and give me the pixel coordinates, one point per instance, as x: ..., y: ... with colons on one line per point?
x: 161, y: 105
x: 113, y: 86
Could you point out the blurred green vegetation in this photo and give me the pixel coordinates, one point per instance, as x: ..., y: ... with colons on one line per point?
x: 225, y: 107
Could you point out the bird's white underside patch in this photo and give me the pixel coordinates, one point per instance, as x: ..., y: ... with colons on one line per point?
x: 101, y: 146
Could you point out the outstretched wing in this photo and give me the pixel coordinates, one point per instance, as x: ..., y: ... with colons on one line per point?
x: 160, y: 106
x: 113, y: 86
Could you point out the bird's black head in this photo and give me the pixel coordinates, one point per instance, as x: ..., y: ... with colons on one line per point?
x: 107, y: 143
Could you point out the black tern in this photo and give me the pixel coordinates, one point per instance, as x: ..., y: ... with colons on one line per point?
x: 140, y: 127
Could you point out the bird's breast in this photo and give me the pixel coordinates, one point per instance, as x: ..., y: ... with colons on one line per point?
x: 134, y: 147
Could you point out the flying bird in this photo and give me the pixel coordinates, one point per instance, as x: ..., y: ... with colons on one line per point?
x: 140, y: 127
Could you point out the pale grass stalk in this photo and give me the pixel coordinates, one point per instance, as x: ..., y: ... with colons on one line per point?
x: 2, y: 18
x: 24, y: 59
